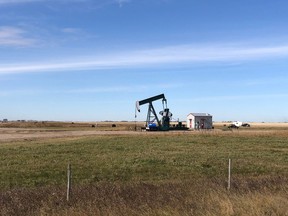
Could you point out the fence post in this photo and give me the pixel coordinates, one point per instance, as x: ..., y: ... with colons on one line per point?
x: 68, y: 181
x: 229, y: 174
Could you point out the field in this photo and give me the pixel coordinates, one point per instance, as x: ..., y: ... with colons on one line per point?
x: 119, y: 171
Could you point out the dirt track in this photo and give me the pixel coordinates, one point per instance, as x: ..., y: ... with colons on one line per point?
x: 10, y: 134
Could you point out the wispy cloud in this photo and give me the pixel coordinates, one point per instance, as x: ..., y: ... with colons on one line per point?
x: 126, y: 88
x: 182, y: 54
x: 12, y: 36
x: 98, y: 2
x: 3, y: 2
x: 71, y: 30
x: 32, y: 36
x: 99, y: 90
x: 122, y: 2
x: 89, y: 90
x: 235, y: 97
x: 22, y: 92
x: 18, y: 1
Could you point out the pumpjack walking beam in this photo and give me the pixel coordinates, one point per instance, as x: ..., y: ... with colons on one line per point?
x: 151, y: 99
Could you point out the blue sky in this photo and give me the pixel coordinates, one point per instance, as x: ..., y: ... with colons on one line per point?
x: 90, y: 60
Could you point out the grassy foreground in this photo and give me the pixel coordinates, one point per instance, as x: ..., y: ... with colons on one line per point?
x: 149, y: 174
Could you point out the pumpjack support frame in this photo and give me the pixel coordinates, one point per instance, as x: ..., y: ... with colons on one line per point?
x: 152, y: 115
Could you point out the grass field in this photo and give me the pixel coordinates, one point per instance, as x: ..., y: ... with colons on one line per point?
x: 168, y: 173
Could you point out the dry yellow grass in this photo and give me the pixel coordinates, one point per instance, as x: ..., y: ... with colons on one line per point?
x: 197, y: 197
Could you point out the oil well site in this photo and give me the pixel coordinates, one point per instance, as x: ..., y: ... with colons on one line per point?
x: 152, y: 166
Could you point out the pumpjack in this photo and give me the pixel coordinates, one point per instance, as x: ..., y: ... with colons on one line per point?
x: 152, y: 121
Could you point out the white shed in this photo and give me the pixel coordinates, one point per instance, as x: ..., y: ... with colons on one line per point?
x: 197, y: 121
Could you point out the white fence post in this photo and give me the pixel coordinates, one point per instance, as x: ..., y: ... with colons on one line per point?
x: 68, y: 181
x: 229, y: 174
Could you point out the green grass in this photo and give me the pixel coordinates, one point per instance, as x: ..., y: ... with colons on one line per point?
x: 150, y: 158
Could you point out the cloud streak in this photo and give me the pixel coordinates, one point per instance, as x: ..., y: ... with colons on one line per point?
x: 12, y: 36
x: 122, y: 2
x: 2, y: 2
x: 226, y: 98
x: 10, y: 2
x: 173, y: 55
x: 89, y: 90
x: 6, y: 2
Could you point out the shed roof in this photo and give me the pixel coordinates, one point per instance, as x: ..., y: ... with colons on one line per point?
x: 199, y: 114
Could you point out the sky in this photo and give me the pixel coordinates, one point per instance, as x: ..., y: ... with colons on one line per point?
x: 91, y: 60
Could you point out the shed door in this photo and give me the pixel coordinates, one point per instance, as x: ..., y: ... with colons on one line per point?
x: 190, y: 123
x: 202, y: 123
